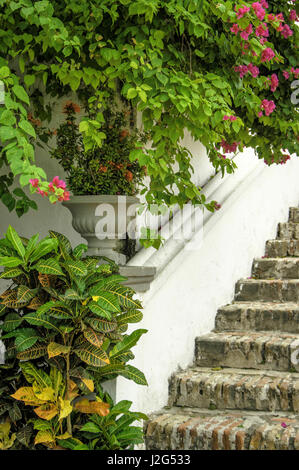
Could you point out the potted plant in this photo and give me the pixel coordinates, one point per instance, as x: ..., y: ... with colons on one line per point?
x: 103, y: 182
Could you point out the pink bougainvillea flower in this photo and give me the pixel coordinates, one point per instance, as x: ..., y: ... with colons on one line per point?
x: 254, y: 70
x: 264, y: 4
x: 286, y: 74
x: 268, y: 106
x: 284, y: 425
x: 260, y: 114
x: 262, y: 30
x: 34, y: 182
x: 259, y: 10
x: 59, y: 183
x: 267, y: 54
x: 242, y: 11
x: 293, y: 15
x: 229, y: 148
x: 246, y: 33
x: 286, y: 31
x: 229, y: 118
x: 235, y: 28
x: 274, y: 82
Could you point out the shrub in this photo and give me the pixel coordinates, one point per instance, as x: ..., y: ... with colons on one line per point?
x: 68, y: 316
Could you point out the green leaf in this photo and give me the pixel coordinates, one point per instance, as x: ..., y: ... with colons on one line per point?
x: 49, y: 266
x: 98, y: 310
x: 92, y: 355
x: 132, y: 316
x: 26, y: 338
x: 131, y: 373
x: 103, y: 326
x: 15, y: 240
x: 90, y: 427
x: 40, y: 320
x: 27, y: 127
x: 76, y: 268
x: 10, y: 261
x: 106, y: 300
x: 38, y: 350
x: 11, y: 322
x: 127, y: 343
x: 33, y: 374
x: 80, y: 250
x: 25, y: 294
x: 20, y: 93
x: 43, y: 248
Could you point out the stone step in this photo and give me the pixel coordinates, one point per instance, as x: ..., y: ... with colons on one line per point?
x: 294, y: 215
x: 235, y: 389
x: 288, y: 231
x: 282, y: 248
x: 248, y: 350
x: 252, y: 290
x: 275, y: 268
x: 195, y: 429
x: 259, y: 316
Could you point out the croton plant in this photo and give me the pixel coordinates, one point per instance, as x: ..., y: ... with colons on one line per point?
x: 64, y: 325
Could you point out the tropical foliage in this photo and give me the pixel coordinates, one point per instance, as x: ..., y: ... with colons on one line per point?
x: 65, y: 318
x: 220, y: 69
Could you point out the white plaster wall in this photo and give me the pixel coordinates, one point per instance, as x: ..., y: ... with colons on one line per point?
x: 183, y: 301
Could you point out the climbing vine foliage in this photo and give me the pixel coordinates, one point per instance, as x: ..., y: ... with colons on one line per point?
x: 221, y: 70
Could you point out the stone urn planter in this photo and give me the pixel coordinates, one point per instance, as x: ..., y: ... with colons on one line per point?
x: 106, y: 222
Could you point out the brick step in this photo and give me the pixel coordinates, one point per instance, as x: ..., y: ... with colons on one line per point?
x: 288, y: 231
x: 282, y: 248
x: 259, y: 316
x: 235, y: 389
x: 275, y: 268
x: 294, y: 215
x: 253, y: 290
x: 195, y: 429
x: 248, y: 350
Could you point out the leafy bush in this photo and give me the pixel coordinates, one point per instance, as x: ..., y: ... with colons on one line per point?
x: 220, y: 69
x: 68, y: 316
x: 104, y: 170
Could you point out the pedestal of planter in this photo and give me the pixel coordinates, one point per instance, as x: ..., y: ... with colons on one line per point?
x: 105, y: 222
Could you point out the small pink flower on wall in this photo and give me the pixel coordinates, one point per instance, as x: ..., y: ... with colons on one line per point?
x: 286, y: 74
x: 268, y: 107
x: 267, y: 55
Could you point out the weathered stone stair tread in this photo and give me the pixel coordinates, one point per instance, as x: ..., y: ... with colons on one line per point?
x: 248, y: 350
x: 276, y: 268
x: 196, y: 429
x: 235, y: 389
x: 282, y: 248
x: 267, y: 290
x: 259, y: 316
x: 288, y: 231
